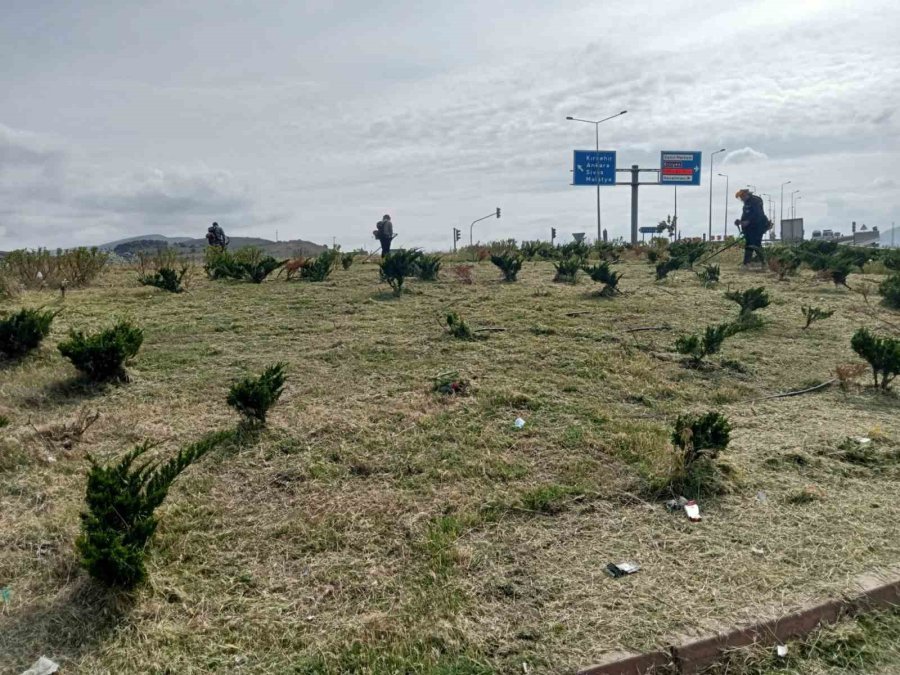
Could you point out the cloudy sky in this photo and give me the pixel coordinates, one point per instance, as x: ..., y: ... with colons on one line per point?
x: 314, y: 118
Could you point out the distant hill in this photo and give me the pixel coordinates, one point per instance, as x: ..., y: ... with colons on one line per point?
x: 187, y: 245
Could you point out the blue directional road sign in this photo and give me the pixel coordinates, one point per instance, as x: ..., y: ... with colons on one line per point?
x: 594, y: 168
x: 679, y: 167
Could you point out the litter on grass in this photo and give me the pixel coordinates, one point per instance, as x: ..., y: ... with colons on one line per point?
x: 43, y: 666
x: 622, y: 569
x: 692, y: 509
x: 520, y: 423
x: 781, y: 650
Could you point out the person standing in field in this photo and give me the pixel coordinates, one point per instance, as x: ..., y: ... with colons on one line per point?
x: 384, y: 233
x: 753, y: 224
x: 215, y: 236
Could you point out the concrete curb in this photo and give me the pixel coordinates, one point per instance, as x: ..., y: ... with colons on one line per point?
x: 688, y: 657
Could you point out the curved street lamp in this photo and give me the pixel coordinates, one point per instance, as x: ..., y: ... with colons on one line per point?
x: 710, y: 188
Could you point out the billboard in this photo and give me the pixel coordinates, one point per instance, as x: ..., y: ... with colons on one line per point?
x: 792, y: 229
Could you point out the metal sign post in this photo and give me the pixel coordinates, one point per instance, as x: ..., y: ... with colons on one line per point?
x: 676, y: 167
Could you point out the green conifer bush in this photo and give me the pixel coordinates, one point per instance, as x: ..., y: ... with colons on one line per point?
x: 509, y: 263
x: 102, y: 356
x: 23, y: 331
x: 254, y: 396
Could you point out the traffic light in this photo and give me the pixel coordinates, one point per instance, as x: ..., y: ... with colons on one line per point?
x: 498, y: 211
x: 456, y: 234
x: 552, y: 234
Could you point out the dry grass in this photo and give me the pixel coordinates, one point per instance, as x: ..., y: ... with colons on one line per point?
x: 377, y: 527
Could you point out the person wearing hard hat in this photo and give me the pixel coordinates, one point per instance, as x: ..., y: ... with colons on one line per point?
x: 754, y: 224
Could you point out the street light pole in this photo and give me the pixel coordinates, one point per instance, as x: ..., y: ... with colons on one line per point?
x: 597, y: 124
x: 792, y: 202
x: 725, y: 176
x: 781, y: 207
x: 495, y: 214
x: 794, y: 208
x: 710, y: 188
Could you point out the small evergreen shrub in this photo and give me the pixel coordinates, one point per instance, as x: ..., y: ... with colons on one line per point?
x: 698, y: 347
x: 749, y: 300
x: 253, y: 396
x: 574, y: 249
x: 688, y: 251
x: 347, y: 260
x: 602, y: 274
x: 121, y: 499
x: 428, y: 267
x: 542, y: 250
x: 890, y: 258
x: 247, y: 264
x: 396, y: 266
x: 319, y: 268
x: 102, y: 356
x: 665, y: 266
x: 783, y: 260
x: 653, y: 255
x: 457, y: 327
x: 23, y: 331
x: 709, y: 275
x: 567, y: 269
x: 698, y: 440
x: 813, y: 314
x: 882, y: 354
x: 890, y: 291
x: 838, y: 270
x: 4, y: 421
x: 165, y: 278
x: 608, y: 251
x: 509, y: 263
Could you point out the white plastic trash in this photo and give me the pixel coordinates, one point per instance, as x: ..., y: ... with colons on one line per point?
x: 520, y: 423
x: 692, y: 509
x: 781, y: 650
x: 43, y: 666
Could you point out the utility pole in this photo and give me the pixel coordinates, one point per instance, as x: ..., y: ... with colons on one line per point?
x: 710, y: 188
x: 725, y: 233
x: 781, y: 208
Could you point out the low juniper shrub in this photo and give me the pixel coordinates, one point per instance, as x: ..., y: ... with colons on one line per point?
x: 698, y: 347
x: 602, y: 274
x: 165, y: 278
x: 23, y: 331
x: 749, y: 300
x: 509, y: 263
x: 890, y: 291
x: 396, y: 266
x: 882, y: 354
x: 121, y: 500
x: 428, y: 267
x: 567, y: 269
x: 698, y: 440
x: 254, y: 396
x: 319, y: 268
x: 458, y: 327
x: 709, y: 275
x: 102, y: 356
x: 813, y: 314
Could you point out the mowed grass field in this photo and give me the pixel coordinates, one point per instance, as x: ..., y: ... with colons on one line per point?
x: 377, y: 527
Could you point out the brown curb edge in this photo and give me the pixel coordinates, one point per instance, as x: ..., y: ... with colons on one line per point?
x: 691, y: 657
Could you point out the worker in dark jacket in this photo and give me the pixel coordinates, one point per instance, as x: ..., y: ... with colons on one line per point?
x: 754, y: 224
x: 384, y: 233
